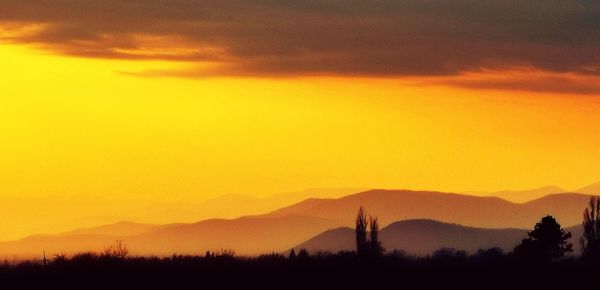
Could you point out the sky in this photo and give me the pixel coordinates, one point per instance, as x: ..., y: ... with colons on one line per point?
x: 190, y: 99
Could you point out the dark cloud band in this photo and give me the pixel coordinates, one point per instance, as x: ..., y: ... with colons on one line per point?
x: 334, y: 37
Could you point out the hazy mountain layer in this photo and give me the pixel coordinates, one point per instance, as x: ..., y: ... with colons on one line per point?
x: 290, y: 226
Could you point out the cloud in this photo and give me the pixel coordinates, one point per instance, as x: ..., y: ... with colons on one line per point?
x: 524, y: 79
x: 314, y: 37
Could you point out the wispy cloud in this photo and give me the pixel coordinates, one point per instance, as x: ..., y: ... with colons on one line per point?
x: 524, y: 79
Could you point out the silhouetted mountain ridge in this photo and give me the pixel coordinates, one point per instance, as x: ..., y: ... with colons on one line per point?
x: 423, y: 237
x: 486, y: 212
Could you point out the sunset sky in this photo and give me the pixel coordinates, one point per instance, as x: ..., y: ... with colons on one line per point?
x: 191, y: 99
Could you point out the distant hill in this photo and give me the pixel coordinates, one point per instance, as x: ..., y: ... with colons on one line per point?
x: 21, y: 217
x: 566, y: 207
x: 423, y: 237
x: 521, y: 196
x: 247, y: 236
x: 486, y: 212
x: 233, y: 206
x: 118, y: 229
x: 592, y: 189
x: 331, y: 241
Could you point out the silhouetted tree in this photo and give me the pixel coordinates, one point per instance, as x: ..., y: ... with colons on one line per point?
x: 60, y: 259
x: 226, y: 254
x: 449, y: 254
x: 371, y: 246
x: 303, y: 254
x: 548, y: 241
x: 116, y: 251
x: 292, y: 254
x: 271, y: 257
x: 45, y: 260
x: 375, y: 246
x: 84, y: 257
x: 489, y: 255
x: 590, y: 240
x: 362, y: 247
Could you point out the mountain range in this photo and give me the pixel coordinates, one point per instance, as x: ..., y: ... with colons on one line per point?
x: 20, y: 217
x: 487, y: 212
x: 465, y: 222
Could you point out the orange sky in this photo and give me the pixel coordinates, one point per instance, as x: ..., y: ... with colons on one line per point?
x: 75, y: 126
x: 117, y: 101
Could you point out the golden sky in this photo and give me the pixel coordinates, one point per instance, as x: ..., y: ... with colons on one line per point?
x: 74, y: 126
x: 118, y: 99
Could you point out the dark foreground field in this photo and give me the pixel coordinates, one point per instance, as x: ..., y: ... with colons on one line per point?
x: 446, y: 270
